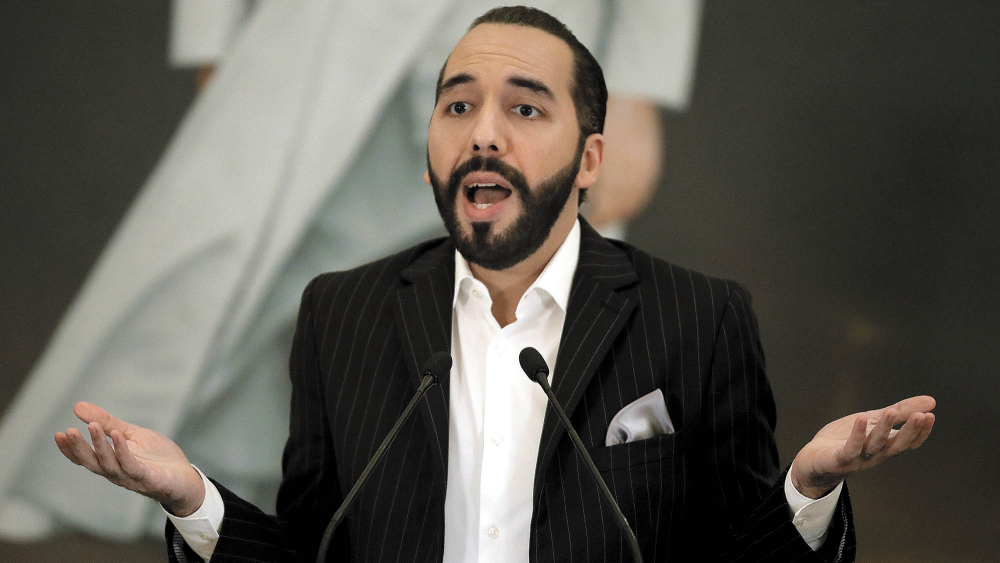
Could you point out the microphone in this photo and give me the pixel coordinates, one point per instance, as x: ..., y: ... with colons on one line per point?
x: 537, y: 370
x: 438, y: 366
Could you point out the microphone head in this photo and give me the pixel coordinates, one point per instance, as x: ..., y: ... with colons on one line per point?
x: 532, y: 363
x: 438, y: 366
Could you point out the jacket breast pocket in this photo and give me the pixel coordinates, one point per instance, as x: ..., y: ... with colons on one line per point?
x: 665, y: 447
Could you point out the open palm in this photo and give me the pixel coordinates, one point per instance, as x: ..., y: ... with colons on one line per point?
x: 137, y: 459
x: 859, y: 441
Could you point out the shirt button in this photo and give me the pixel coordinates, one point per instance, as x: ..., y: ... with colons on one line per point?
x: 477, y: 294
x: 800, y: 521
x: 205, y: 537
x: 496, y: 440
x: 493, y: 532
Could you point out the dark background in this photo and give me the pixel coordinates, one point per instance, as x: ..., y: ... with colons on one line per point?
x: 842, y: 159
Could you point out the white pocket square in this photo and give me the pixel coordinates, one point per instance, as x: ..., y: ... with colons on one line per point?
x: 643, y: 418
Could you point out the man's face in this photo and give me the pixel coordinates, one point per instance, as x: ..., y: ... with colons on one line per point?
x: 504, y: 149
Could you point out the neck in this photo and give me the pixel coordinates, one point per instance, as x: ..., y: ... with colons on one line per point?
x: 506, y: 287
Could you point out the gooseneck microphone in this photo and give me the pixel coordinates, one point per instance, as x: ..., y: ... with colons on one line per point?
x: 537, y: 370
x: 437, y: 367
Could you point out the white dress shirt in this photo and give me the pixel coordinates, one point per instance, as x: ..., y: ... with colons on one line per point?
x: 493, y: 445
x: 496, y: 412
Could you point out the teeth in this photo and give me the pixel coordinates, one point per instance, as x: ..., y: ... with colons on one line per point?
x: 481, y: 205
x: 478, y: 185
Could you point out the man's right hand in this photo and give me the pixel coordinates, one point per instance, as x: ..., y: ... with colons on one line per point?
x: 141, y: 460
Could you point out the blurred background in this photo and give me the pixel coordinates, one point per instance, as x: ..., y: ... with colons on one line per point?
x: 840, y: 159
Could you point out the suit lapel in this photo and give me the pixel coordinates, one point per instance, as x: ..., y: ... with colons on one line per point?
x: 596, y: 313
x: 423, y: 320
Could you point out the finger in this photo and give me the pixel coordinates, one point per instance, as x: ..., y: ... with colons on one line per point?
x: 132, y: 467
x: 925, y: 431
x: 82, y: 451
x: 93, y: 413
x: 876, y: 438
x: 856, y: 441
x: 62, y: 442
x: 922, y: 403
x: 904, y: 437
x: 102, y: 449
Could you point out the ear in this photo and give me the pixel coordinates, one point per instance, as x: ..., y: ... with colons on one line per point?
x: 590, y: 161
x: 427, y: 178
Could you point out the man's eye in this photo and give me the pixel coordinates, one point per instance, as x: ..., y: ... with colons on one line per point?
x: 524, y: 110
x: 458, y: 108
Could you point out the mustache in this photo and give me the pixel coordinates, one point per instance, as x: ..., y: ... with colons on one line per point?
x: 488, y: 164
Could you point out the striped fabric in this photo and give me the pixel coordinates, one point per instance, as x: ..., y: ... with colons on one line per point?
x: 710, y: 492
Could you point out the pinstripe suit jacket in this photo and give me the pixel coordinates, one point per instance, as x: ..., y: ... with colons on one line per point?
x: 710, y: 491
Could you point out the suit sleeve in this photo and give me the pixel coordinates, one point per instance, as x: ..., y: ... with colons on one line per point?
x: 309, y: 492
x: 742, y: 455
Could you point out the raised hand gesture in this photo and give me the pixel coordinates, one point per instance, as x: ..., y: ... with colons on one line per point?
x: 140, y: 460
x: 859, y: 441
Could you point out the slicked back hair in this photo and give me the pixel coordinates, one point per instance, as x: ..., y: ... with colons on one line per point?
x: 588, y: 90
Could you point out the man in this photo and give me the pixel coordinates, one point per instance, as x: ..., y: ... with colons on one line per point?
x: 197, y: 292
x: 486, y: 473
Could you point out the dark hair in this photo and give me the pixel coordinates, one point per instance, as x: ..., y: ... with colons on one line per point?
x: 588, y: 90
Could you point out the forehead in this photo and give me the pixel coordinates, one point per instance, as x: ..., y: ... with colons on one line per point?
x: 499, y: 51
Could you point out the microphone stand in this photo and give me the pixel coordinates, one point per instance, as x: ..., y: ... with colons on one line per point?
x: 426, y: 383
x: 538, y: 371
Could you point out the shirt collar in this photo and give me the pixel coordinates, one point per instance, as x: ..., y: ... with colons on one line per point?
x: 556, y: 278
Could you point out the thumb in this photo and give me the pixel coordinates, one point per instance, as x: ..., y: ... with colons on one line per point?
x: 93, y: 413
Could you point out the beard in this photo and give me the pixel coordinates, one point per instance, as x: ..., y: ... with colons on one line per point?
x: 540, y: 208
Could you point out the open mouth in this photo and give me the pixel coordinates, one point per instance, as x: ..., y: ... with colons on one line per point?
x: 483, y: 195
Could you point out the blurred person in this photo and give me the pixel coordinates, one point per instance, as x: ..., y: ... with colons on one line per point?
x: 304, y: 154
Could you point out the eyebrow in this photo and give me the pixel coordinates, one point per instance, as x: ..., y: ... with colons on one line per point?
x: 517, y: 81
x: 533, y: 85
x: 461, y: 78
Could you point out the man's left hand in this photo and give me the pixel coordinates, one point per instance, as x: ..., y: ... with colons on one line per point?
x: 859, y: 441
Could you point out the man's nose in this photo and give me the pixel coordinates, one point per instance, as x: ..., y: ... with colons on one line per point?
x: 489, y: 138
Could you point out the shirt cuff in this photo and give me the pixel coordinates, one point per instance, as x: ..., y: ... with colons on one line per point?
x: 201, y: 32
x: 201, y: 529
x: 811, y: 516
